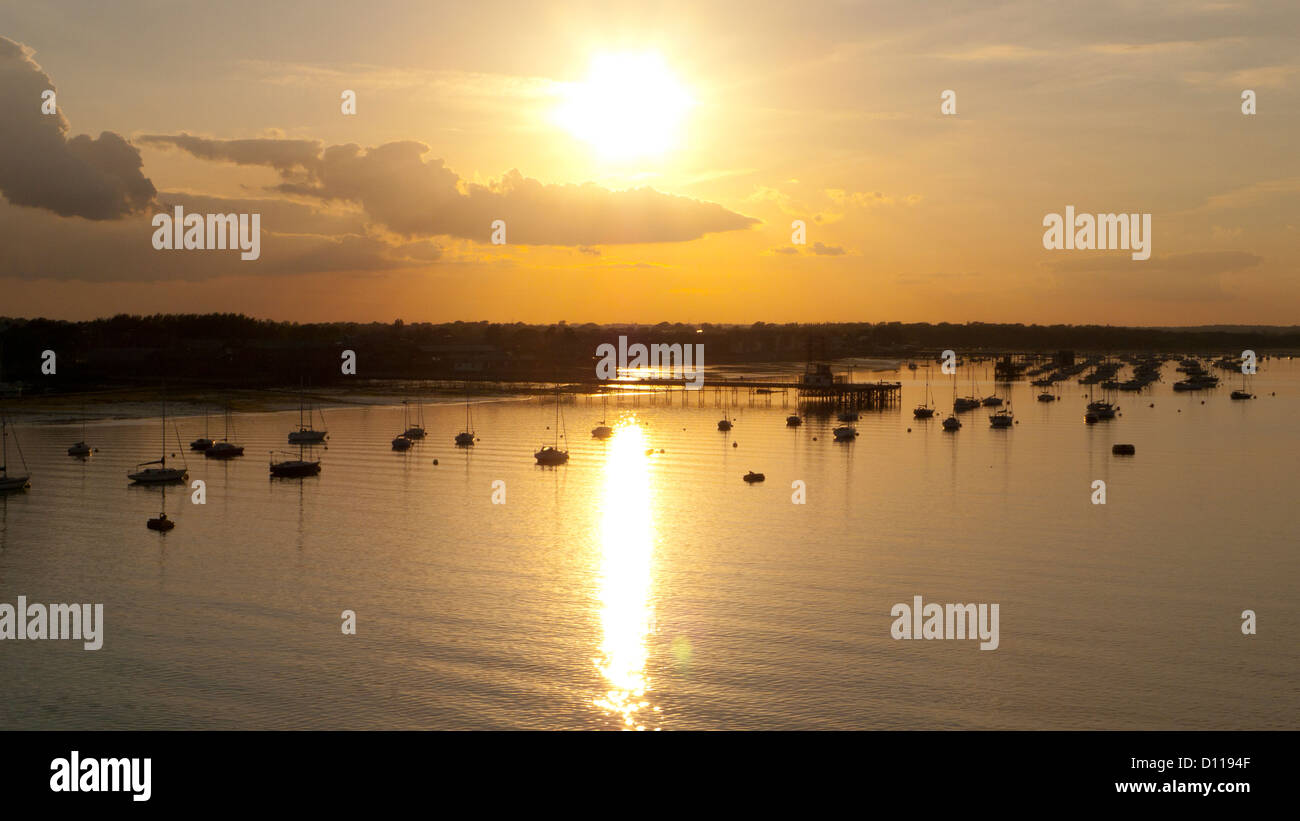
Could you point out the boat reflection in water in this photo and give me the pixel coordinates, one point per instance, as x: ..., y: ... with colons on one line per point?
x: 625, y: 583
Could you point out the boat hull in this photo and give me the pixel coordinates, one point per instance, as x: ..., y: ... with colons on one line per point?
x: 551, y: 457
x: 12, y: 484
x: 158, y: 476
x: 294, y: 469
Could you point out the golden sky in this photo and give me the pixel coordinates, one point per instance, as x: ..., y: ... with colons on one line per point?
x: 649, y: 158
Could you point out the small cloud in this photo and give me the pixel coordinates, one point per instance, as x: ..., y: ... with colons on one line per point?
x: 823, y: 250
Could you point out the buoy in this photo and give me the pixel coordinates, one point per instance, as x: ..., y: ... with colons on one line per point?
x: 1153, y: 404
x: 909, y: 430
x: 735, y: 444
x: 1123, y: 450
x: 435, y: 461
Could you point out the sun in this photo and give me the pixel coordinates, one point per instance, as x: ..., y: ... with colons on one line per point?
x: 630, y: 105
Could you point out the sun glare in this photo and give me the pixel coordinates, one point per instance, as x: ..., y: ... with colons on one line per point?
x: 630, y: 105
x: 627, y: 558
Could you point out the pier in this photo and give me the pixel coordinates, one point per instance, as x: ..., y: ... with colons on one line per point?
x: 818, y: 386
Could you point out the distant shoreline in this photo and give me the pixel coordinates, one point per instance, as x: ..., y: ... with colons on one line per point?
x: 141, y: 402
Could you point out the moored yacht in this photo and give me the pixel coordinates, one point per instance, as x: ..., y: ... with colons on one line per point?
x: 225, y: 449
x: 147, y: 474
x: 925, y: 410
x: 203, y: 442
x: 306, y: 434
x: 8, y: 482
x: 293, y: 468
x: 551, y: 455
x: 416, y: 431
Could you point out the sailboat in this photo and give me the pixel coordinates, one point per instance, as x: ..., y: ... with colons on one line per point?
x: 416, y: 431
x: 603, y: 431
x: 225, y: 449
x: 203, y: 442
x: 964, y: 403
x: 465, y: 438
x: 161, y: 474
x: 81, y: 448
x: 551, y: 454
x: 306, y: 434
x: 925, y: 410
x: 725, y: 422
x: 1100, y: 409
x: 952, y: 422
x: 293, y: 468
x: 1001, y: 418
x: 1244, y: 393
x: 161, y: 523
x: 11, y: 483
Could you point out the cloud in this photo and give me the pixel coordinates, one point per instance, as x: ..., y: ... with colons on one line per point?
x: 296, y: 239
x: 285, y: 156
x: 866, y: 199
x: 415, y: 197
x: 42, y: 167
x: 822, y: 250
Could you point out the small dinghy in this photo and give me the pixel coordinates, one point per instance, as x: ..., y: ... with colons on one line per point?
x: 793, y: 421
x: 161, y: 523
x: 752, y: 477
x: 1123, y: 450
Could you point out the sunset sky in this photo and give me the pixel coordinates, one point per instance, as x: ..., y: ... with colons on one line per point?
x: 648, y: 159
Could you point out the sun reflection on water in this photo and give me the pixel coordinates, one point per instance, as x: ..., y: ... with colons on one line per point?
x: 627, y: 551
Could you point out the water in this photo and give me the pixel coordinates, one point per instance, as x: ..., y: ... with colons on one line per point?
x: 660, y: 591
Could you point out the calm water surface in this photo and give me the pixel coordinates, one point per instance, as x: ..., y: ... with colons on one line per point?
x: 660, y: 591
